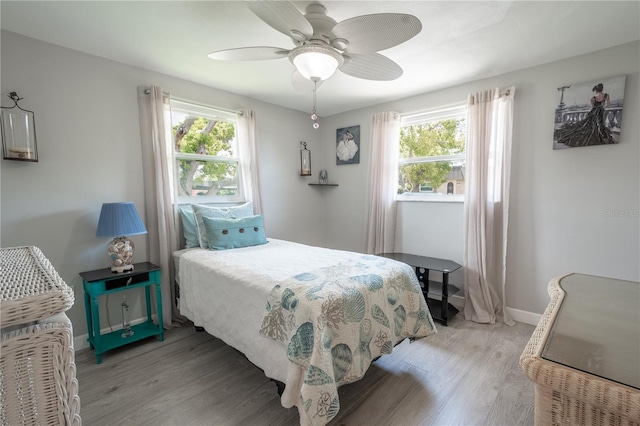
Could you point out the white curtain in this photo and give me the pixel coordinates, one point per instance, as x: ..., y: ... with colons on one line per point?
x: 486, y: 207
x: 248, y: 142
x: 160, y: 215
x: 383, y: 183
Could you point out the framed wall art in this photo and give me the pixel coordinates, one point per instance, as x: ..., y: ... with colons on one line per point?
x: 348, y: 145
x: 589, y: 113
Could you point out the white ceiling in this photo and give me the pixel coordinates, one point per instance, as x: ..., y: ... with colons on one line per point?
x: 459, y: 42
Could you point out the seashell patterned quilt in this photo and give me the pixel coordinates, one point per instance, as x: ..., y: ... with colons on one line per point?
x: 336, y: 319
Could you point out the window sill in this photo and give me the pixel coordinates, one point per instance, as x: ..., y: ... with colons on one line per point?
x: 222, y: 200
x: 431, y: 198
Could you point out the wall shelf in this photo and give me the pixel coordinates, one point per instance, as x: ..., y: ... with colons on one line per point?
x: 323, y: 184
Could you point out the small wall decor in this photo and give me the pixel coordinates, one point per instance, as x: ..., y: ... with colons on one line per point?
x: 323, y: 178
x: 305, y: 160
x: 589, y: 113
x: 348, y: 145
x: 18, y: 132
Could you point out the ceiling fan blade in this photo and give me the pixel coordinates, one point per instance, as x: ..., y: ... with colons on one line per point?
x: 372, y: 66
x: 282, y: 16
x: 257, y: 53
x: 303, y: 85
x: 371, y: 33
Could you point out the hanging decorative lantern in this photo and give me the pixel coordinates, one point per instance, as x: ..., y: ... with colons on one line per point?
x: 305, y: 160
x: 18, y: 132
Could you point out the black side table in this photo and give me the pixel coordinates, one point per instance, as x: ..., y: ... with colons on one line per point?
x: 439, y: 306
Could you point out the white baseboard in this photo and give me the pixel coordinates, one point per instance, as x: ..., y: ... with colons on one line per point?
x: 516, y: 314
x: 457, y: 301
x: 524, y: 316
x: 82, y: 342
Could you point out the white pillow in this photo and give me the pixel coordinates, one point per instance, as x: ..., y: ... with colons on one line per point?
x: 233, y: 212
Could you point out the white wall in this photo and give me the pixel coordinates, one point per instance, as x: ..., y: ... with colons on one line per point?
x: 89, y: 150
x: 558, y: 220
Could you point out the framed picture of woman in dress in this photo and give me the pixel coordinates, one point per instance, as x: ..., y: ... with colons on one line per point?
x: 348, y: 145
x: 589, y: 113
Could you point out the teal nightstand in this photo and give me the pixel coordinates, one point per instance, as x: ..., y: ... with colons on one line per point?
x: 103, y: 281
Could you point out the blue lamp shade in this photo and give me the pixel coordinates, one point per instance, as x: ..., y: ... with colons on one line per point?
x: 120, y: 220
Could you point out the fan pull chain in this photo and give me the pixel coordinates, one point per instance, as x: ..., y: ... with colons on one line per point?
x: 314, y: 115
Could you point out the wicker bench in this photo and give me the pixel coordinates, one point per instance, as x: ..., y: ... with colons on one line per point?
x: 565, y: 395
x: 38, y: 384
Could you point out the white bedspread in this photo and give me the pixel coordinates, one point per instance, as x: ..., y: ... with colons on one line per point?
x: 209, y: 280
x: 226, y: 293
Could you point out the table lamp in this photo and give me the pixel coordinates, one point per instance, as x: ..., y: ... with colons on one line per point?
x: 120, y: 220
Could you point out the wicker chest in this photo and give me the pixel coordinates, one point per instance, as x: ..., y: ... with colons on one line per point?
x: 38, y: 382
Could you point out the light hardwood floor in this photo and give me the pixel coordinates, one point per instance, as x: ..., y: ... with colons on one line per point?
x: 467, y: 374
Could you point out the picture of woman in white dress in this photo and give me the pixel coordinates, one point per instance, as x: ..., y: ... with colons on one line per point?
x: 347, y: 148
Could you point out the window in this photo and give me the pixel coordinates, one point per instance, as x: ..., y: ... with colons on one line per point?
x: 432, y: 155
x: 207, y: 163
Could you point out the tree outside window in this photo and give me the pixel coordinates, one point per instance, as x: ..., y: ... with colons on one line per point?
x: 432, y: 153
x: 206, y: 157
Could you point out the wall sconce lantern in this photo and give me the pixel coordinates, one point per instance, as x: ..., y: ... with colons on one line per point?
x: 305, y: 160
x: 18, y: 132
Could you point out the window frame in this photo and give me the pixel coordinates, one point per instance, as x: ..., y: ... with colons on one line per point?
x: 456, y: 111
x: 210, y: 112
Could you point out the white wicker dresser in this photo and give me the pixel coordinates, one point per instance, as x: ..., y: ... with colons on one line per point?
x: 584, y: 356
x: 38, y: 384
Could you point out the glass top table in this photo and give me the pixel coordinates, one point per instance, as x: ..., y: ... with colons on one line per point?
x: 597, y: 329
x: 432, y: 263
x: 436, y: 294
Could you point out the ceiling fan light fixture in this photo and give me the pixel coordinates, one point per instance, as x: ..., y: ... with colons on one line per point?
x: 315, y: 61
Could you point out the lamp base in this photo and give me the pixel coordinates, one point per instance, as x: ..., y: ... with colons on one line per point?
x: 120, y: 251
x: 121, y: 269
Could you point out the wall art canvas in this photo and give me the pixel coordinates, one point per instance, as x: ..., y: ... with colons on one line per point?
x: 589, y: 113
x: 348, y: 145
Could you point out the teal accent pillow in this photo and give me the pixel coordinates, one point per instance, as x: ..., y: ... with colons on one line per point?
x: 201, y: 211
x: 189, y: 227
x: 234, y: 233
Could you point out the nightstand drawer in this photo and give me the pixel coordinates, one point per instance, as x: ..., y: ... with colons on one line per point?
x: 125, y: 281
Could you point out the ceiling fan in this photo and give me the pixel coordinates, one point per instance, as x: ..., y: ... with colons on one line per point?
x: 323, y: 45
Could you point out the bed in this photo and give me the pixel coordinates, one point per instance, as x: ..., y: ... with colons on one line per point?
x: 309, y: 317
x: 253, y: 299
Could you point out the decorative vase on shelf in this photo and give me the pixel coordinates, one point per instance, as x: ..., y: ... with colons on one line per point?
x: 324, y: 177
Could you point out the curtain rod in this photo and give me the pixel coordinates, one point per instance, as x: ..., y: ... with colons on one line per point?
x: 148, y: 92
x: 167, y: 94
x: 189, y: 101
x: 433, y: 111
